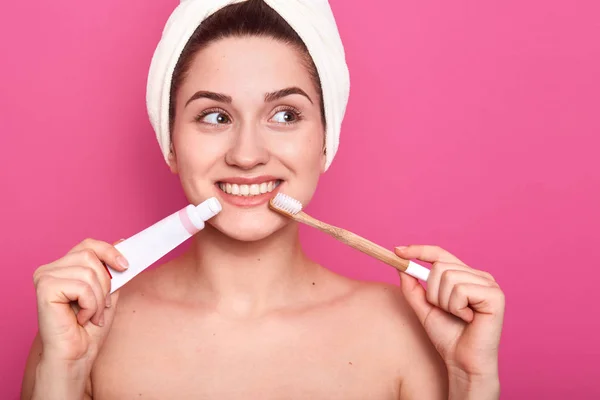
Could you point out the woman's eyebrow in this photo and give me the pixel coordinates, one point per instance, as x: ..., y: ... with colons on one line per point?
x: 205, y: 94
x: 269, y: 97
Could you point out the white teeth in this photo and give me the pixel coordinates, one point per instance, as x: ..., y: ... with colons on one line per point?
x: 248, y: 190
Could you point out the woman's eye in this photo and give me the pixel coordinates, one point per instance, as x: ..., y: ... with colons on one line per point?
x: 284, y: 117
x: 215, y: 118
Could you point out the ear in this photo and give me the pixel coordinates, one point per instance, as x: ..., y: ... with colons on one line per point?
x: 173, y: 161
x: 323, y: 158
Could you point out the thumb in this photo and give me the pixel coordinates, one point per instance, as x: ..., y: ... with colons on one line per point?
x: 99, y: 333
x: 109, y: 313
x: 415, y: 295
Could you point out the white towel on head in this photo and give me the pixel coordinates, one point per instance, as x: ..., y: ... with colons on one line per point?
x: 312, y: 20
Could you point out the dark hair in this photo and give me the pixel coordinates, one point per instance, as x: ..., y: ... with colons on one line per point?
x: 248, y: 18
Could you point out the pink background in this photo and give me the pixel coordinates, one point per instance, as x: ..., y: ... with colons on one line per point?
x: 471, y: 125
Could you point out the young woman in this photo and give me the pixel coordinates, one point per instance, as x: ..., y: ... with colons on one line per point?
x: 245, y: 314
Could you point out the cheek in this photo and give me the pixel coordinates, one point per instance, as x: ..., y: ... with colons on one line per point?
x: 196, y: 157
x: 304, y: 159
x: 309, y: 162
x: 304, y: 153
x: 196, y: 152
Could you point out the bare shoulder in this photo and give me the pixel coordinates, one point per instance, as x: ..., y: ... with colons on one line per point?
x: 390, y: 323
x: 139, y: 298
x: 385, y: 307
x: 386, y: 297
x: 149, y: 284
x: 377, y: 305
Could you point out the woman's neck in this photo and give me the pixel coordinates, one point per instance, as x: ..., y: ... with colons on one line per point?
x: 247, y: 279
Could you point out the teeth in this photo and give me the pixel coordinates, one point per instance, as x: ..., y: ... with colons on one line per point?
x: 248, y: 190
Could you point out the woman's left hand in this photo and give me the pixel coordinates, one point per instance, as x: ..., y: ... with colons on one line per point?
x: 462, y: 312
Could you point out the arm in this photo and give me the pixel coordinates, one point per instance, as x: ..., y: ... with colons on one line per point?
x: 426, y: 376
x: 464, y: 387
x: 75, y: 311
x: 48, y: 380
x: 462, y: 313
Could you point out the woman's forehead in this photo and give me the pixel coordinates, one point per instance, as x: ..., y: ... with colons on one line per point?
x: 258, y: 65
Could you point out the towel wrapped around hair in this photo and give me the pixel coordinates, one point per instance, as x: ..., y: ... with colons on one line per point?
x: 312, y: 20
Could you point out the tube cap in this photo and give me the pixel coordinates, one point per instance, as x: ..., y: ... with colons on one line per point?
x: 208, y: 208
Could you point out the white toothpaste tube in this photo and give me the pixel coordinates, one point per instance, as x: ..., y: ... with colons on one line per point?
x: 146, y: 247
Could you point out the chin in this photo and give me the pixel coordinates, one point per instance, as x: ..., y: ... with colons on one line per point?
x: 250, y: 227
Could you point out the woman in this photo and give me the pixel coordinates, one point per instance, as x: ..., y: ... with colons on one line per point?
x: 244, y: 313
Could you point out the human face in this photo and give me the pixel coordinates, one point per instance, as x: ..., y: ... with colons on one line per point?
x: 248, y: 121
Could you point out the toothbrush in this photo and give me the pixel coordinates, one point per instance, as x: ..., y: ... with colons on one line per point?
x: 292, y: 208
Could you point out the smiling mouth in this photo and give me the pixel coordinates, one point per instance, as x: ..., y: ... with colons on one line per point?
x: 243, y: 190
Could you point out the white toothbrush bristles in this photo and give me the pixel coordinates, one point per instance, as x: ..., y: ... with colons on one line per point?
x: 287, y: 204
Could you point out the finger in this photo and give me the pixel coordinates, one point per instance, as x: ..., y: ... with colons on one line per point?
x: 467, y: 298
x: 438, y: 269
x: 108, y: 297
x: 109, y: 316
x: 86, y: 258
x: 65, y: 291
x: 427, y: 253
x: 87, y: 275
x: 105, y: 252
x: 111, y: 298
x: 452, y: 277
x: 414, y: 294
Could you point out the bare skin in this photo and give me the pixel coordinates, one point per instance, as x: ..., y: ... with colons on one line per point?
x: 316, y: 335
x: 244, y: 313
x: 329, y: 345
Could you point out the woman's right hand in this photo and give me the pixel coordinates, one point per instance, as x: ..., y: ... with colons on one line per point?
x: 75, y: 309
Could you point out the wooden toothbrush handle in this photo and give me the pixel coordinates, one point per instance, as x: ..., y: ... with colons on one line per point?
x: 355, y: 241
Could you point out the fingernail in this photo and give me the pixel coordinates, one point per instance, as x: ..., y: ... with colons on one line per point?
x: 122, y: 262
x: 108, y: 301
x: 401, y: 248
x: 101, y: 322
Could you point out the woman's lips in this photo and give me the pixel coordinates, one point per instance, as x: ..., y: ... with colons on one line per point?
x: 244, y: 193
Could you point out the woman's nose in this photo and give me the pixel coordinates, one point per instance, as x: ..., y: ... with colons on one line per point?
x: 248, y: 149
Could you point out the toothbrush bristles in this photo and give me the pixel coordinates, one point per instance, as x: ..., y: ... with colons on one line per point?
x: 286, y: 204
